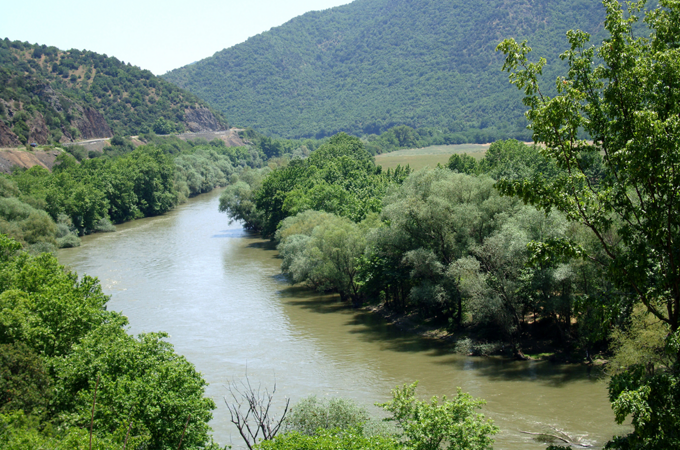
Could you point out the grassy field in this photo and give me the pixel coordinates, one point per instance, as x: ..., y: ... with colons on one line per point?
x: 418, y: 158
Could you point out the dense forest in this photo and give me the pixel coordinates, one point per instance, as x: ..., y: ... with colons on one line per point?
x: 48, y: 95
x: 440, y: 242
x: 374, y: 64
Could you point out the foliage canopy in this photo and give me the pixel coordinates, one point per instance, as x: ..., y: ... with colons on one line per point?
x: 624, y: 94
x: 366, y: 67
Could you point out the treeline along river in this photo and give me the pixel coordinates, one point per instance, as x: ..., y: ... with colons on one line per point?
x: 217, y: 290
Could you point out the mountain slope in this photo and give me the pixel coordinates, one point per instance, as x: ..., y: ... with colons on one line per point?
x: 373, y: 64
x: 48, y: 95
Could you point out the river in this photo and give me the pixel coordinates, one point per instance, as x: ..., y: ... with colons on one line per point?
x: 217, y: 290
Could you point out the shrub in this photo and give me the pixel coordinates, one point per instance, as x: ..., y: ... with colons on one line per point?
x: 8, y: 188
x: 78, y: 151
x: 104, y: 225
x: 20, y: 432
x: 311, y: 415
x: 451, y: 424
x: 39, y: 227
x: 13, y: 209
x: 68, y: 241
x: 330, y: 440
x: 41, y: 247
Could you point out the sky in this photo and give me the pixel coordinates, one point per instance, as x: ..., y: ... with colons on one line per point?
x: 158, y: 35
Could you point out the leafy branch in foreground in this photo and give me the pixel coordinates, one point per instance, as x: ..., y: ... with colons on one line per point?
x: 452, y: 424
x: 624, y: 94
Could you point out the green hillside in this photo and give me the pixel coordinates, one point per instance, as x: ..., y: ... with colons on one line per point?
x: 48, y: 95
x: 373, y: 64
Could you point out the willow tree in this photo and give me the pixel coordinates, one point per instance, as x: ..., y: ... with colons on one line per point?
x: 620, y: 102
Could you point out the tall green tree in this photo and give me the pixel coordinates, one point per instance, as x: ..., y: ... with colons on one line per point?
x: 624, y: 94
x: 323, y: 249
x: 434, y: 218
x: 58, y: 343
x: 340, y: 177
x: 238, y: 200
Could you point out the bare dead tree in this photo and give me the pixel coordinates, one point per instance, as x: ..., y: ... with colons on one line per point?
x: 251, y: 411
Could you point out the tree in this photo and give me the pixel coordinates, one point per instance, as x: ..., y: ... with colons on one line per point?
x: 163, y: 126
x: 624, y: 94
x: 340, y: 177
x: 322, y: 249
x: 434, y: 218
x: 24, y: 382
x: 154, y: 180
x: 511, y: 159
x: 451, y: 424
x: 238, y: 201
x: 462, y: 163
x: 44, y: 306
x: 250, y: 410
x: 49, y: 318
x: 143, y: 384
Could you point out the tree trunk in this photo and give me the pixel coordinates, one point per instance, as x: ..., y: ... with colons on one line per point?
x: 459, y: 318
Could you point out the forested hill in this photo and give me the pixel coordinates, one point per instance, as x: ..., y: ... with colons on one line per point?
x: 367, y: 66
x: 48, y: 95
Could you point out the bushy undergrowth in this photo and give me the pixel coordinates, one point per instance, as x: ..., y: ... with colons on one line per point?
x: 311, y: 416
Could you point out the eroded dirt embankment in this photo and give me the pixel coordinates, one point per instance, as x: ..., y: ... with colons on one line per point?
x: 10, y: 158
x: 230, y: 137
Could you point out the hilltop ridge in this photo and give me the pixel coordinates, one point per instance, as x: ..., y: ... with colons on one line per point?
x: 370, y: 65
x: 48, y: 96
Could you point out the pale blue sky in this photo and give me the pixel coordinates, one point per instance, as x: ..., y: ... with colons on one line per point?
x: 158, y: 35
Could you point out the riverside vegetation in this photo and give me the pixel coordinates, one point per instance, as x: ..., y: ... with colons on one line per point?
x: 63, y: 353
x: 573, y: 239
x: 72, y: 378
x: 44, y: 210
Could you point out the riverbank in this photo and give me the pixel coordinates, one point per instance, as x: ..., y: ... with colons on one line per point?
x: 217, y: 290
x: 470, y: 342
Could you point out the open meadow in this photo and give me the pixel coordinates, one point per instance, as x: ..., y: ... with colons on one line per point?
x: 418, y: 158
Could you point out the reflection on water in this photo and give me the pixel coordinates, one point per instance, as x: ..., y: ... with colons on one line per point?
x: 218, y: 291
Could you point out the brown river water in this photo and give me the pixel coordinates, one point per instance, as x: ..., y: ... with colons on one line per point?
x: 217, y: 290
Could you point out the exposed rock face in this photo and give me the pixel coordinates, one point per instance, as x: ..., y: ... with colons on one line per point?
x: 7, y: 107
x: 201, y: 119
x: 88, y: 121
x: 50, y: 96
x: 37, y: 129
x: 91, y: 124
x: 7, y: 137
